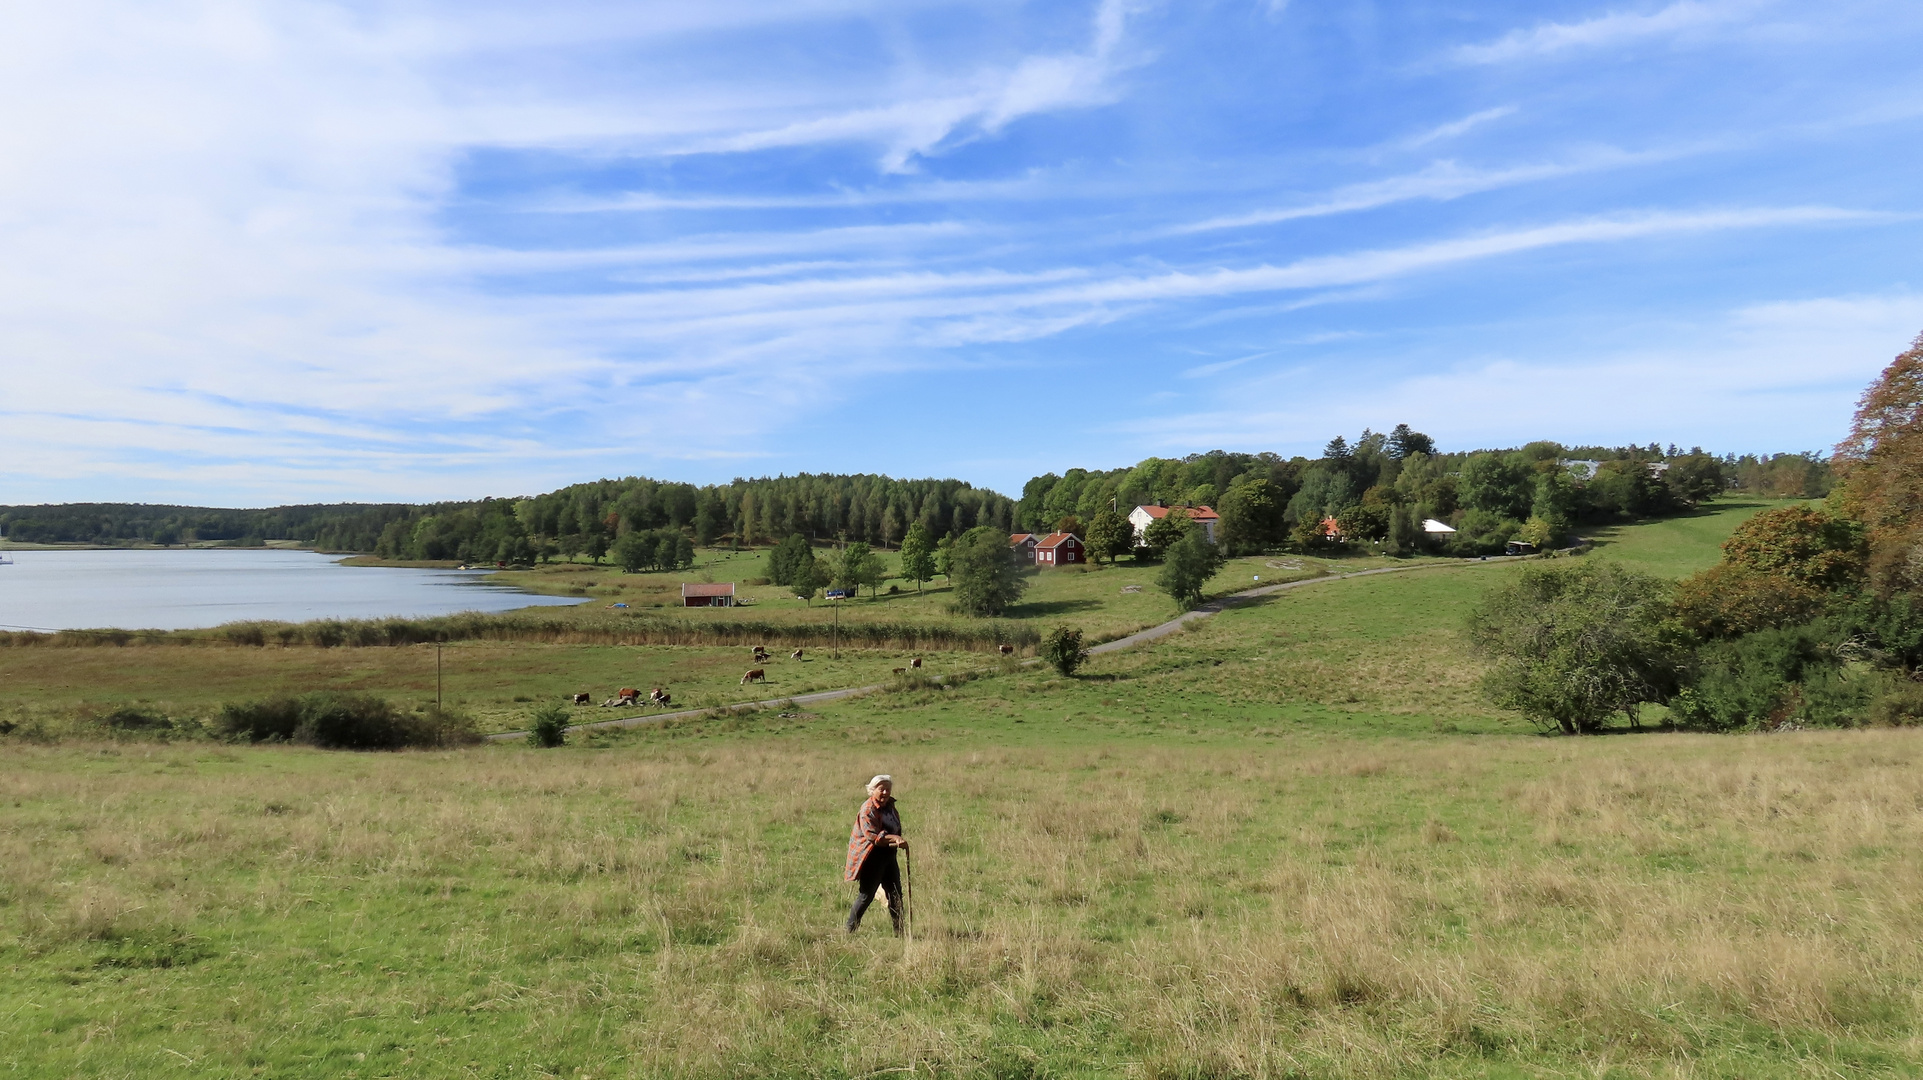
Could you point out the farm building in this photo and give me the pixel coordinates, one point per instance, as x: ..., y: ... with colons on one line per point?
x: 1022, y: 546
x: 1143, y: 516
x: 703, y: 594
x: 1059, y: 549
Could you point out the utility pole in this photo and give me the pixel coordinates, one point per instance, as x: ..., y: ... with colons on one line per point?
x: 437, y: 675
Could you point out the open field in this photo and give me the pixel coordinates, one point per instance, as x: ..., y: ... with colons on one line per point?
x: 1669, y: 905
x: 1290, y: 841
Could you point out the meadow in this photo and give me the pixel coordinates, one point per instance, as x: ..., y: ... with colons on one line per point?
x: 1290, y: 841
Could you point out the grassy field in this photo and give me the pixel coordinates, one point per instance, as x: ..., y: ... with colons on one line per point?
x: 1288, y: 842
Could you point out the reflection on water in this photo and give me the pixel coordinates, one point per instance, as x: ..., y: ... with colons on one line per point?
x: 177, y: 590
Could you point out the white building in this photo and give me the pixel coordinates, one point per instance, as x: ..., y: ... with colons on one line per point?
x: 1143, y: 516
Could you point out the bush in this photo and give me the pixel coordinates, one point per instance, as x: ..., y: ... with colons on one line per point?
x: 548, y: 727
x: 343, y: 722
x: 1899, y: 705
x: 1730, y: 600
x: 135, y: 718
x: 1772, y: 679
x: 1483, y: 532
x: 1063, y: 649
x: 1572, y: 644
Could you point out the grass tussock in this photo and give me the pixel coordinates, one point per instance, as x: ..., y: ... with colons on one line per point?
x: 1674, y: 906
x: 548, y: 627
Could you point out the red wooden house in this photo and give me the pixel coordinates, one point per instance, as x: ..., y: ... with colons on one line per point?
x: 705, y: 594
x: 1059, y: 549
x: 1022, y: 546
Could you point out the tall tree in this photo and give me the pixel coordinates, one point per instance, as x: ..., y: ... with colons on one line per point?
x: 1109, y: 535
x: 806, y: 578
x: 859, y: 566
x: 1165, y: 531
x: 917, y: 555
x: 1881, y: 463
x: 986, y: 578
x: 1403, y: 442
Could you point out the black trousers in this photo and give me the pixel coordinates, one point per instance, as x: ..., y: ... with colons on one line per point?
x: 878, y: 871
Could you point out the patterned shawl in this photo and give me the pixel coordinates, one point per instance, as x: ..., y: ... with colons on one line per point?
x: 876, y: 820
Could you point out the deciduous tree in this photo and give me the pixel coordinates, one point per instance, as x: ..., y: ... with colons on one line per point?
x: 917, y: 555
x: 1882, y: 472
x: 1572, y: 644
x: 1110, y: 536
x: 986, y: 578
x: 1187, y: 566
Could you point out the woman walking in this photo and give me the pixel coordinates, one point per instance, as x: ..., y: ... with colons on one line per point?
x: 871, y: 852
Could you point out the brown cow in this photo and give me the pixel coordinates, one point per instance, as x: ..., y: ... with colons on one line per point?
x: 1008, y: 650
x: 899, y: 670
x: 754, y: 675
x: 629, y: 695
x: 582, y: 698
x: 796, y: 655
x: 915, y: 663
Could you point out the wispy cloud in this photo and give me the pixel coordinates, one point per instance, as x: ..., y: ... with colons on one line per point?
x: 989, y: 102
x: 1454, y: 128
x: 1441, y: 181
x: 1605, y: 30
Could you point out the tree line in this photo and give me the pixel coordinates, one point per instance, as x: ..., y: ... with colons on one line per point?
x: 580, y: 519
x: 1813, y: 616
x: 1381, y: 487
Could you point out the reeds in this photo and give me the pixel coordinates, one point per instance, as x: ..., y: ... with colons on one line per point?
x: 567, y: 629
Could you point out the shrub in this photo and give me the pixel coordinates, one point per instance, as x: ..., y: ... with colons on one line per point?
x: 343, y: 722
x: 1482, y: 532
x: 548, y: 727
x: 1573, y: 643
x: 1899, y: 704
x: 135, y: 718
x: 1063, y: 649
x: 1771, y: 679
x: 1730, y: 600
x: 1806, y: 545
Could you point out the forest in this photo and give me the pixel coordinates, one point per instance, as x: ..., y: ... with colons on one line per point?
x: 1376, y: 486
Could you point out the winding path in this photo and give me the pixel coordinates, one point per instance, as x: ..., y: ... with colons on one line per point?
x: 1140, y: 637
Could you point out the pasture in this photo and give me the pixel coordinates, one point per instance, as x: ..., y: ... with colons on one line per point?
x: 1290, y: 841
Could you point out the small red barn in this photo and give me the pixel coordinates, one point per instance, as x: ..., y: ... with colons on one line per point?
x: 704, y: 594
x: 1059, y: 549
x: 1022, y: 546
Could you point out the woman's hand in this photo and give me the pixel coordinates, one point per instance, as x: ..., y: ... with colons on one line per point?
x: 896, y: 841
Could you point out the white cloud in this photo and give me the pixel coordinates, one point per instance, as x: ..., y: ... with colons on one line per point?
x: 1454, y: 128
x: 1605, y: 30
x: 1760, y: 378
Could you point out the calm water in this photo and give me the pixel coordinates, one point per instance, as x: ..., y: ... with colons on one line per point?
x: 177, y: 590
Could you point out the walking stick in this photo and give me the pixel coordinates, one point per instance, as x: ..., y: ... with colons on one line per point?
x: 908, y: 895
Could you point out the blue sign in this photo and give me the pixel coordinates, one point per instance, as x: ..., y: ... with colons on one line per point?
x: 836, y: 594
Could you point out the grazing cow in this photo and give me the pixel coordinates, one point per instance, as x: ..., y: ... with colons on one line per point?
x: 796, y: 655
x: 660, y: 697
x: 915, y: 663
x: 629, y: 695
x: 899, y: 670
x: 582, y: 698
x: 1008, y: 650
x: 754, y: 675
x: 761, y: 652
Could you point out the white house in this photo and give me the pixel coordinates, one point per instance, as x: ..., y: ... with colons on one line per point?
x: 1143, y: 516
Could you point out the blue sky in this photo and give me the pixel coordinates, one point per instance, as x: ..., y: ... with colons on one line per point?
x: 261, y: 253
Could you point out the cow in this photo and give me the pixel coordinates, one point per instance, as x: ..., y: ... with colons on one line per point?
x: 760, y: 653
x: 1008, y: 650
x: 915, y: 663
x: 660, y: 697
x: 899, y: 670
x: 796, y: 655
x: 629, y: 695
x: 754, y: 675
x: 582, y: 698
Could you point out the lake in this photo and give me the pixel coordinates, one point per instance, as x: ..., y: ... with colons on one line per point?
x: 179, y: 590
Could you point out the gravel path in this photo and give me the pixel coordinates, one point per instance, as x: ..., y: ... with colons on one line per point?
x: 1140, y: 637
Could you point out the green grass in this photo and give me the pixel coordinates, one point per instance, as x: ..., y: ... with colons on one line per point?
x: 1288, y: 842
x: 1680, y: 546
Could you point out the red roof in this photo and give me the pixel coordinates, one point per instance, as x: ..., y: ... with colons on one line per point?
x: 702, y: 588
x: 1018, y: 538
x: 1196, y: 513
x: 1057, y: 539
